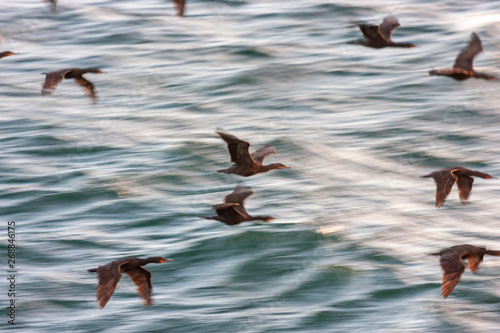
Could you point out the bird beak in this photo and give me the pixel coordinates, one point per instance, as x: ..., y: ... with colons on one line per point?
x: 166, y: 260
x: 101, y: 72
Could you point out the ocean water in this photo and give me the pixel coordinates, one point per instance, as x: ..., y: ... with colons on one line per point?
x: 128, y: 176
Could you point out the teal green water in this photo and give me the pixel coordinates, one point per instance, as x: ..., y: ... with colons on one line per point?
x: 129, y: 176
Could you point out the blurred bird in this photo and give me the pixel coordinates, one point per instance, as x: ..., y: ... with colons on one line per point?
x: 445, y: 178
x: 462, y: 68
x: 6, y: 54
x: 379, y: 36
x: 244, y: 163
x: 53, y: 4
x: 111, y: 273
x: 453, y: 266
x: 179, y: 6
x: 232, y: 211
x: 52, y: 80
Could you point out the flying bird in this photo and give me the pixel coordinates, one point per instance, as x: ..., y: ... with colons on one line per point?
x: 52, y: 80
x: 111, y: 273
x: 244, y: 163
x: 6, y: 54
x: 233, y: 211
x: 379, y: 36
x: 445, y: 178
x: 453, y: 266
x: 462, y: 68
x: 179, y: 6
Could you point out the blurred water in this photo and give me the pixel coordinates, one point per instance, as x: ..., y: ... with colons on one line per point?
x: 128, y: 176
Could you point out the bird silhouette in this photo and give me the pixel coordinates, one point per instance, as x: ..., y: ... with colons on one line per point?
x: 445, y: 178
x: 53, y: 79
x: 462, y: 68
x: 111, y: 273
x: 379, y: 36
x: 244, y: 163
x: 233, y: 211
x: 453, y: 266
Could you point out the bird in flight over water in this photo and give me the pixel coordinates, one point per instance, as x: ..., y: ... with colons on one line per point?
x: 445, y: 178
x: 379, y: 36
x: 110, y: 274
x: 462, y: 68
x: 452, y: 263
x: 246, y: 164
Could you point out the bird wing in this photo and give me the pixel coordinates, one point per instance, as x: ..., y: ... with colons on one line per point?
x: 109, y: 276
x: 453, y: 267
x: 179, y: 6
x: 371, y: 33
x: 230, y: 212
x: 466, y: 56
x: 464, y: 184
x: 386, y: 28
x: 52, y: 80
x: 238, y: 149
x: 474, y: 261
x: 239, y: 195
x: 142, y: 279
x: 444, y: 182
x: 87, y: 85
x: 259, y: 155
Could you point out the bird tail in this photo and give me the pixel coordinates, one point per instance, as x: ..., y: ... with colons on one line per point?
x: 426, y: 176
x: 92, y: 270
x: 224, y: 171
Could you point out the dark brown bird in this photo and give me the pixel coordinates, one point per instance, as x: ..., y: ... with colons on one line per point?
x: 462, y: 68
x: 379, y: 36
x: 453, y: 266
x: 6, y: 54
x: 232, y: 211
x: 445, y: 178
x: 111, y: 273
x: 244, y: 163
x: 179, y: 6
x: 52, y: 80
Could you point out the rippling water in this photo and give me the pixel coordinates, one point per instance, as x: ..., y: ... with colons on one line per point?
x: 129, y: 176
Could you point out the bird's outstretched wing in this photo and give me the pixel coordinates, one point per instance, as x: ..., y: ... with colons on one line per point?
x: 372, y: 33
x: 464, y: 184
x: 466, y: 56
x: 239, y: 195
x: 453, y: 267
x: 87, y: 85
x: 230, y: 212
x: 142, y: 279
x: 259, y: 155
x: 444, y: 182
x: 179, y: 6
x: 386, y: 28
x: 238, y: 149
x: 109, y: 276
x: 52, y: 80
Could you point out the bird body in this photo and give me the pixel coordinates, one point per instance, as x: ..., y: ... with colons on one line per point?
x: 233, y: 211
x: 111, y: 273
x: 53, y: 79
x: 453, y: 266
x: 445, y: 178
x: 462, y: 68
x: 244, y: 163
x: 379, y: 36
